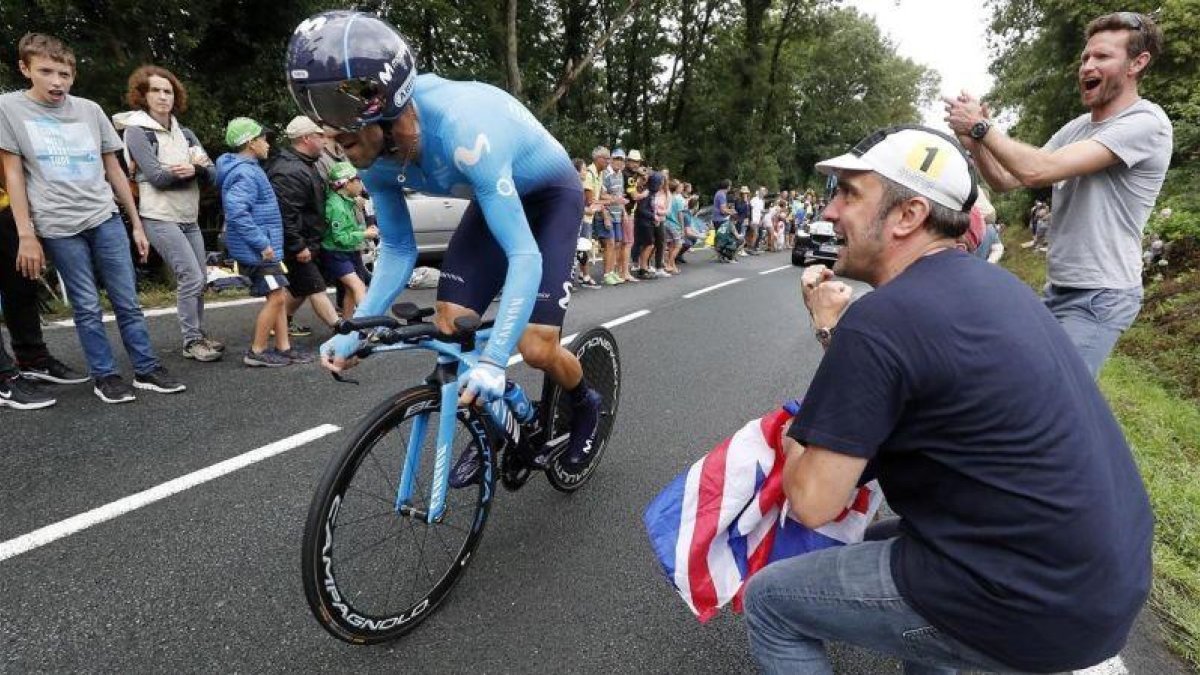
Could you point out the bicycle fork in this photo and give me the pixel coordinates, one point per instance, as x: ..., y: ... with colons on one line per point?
x: 445, y: 377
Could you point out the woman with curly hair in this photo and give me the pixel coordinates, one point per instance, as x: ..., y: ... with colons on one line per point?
x: 165, y: 159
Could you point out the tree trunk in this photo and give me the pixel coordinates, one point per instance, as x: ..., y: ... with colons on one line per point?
x: 510, y: 54
x: 785, y: 31
x: 574, y: 70
x: 686, y: 77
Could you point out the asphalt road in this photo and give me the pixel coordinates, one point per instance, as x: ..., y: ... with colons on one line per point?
x: 208, y: 579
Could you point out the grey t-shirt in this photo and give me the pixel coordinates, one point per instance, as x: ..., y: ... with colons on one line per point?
x: 614, y: 185
x: 1096, y: 241
x: 60, y: 148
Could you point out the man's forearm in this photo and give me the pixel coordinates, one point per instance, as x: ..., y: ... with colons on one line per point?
x: 120, y: 185
x: 1021, y: 163
x: 17, y: 196
x: 993, y: 172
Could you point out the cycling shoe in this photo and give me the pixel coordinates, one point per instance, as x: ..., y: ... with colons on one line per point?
x: 585, y: 421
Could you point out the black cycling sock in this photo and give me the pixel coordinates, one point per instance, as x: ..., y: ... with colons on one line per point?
x: 579, y: 392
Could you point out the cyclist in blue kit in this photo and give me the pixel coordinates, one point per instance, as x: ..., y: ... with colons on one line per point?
x: 356, y: 75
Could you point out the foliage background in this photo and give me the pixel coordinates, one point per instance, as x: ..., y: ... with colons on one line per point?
x: 755, y: 91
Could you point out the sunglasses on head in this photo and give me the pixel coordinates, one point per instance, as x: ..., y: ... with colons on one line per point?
x: 1131, y: 19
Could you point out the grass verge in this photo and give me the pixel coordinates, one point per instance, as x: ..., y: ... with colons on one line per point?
x: 1151, y: 385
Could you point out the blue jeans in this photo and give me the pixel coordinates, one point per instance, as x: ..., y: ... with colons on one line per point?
x: 844, y: 594
x: 106, y: 247
x: 1093, y: 318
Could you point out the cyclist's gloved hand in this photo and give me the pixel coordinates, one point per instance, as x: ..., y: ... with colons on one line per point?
x: 337, y: 352
x: 484, y: 382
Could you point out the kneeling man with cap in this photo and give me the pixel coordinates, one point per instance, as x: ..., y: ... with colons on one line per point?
x: 1024, y: 534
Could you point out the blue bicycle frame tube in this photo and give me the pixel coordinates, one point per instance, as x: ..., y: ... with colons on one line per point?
x: 498, y: 410
x: 412, y: 461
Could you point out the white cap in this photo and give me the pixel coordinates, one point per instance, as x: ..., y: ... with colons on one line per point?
x: 302, y: 126
x: 634, y: 156
x: 922, y: 160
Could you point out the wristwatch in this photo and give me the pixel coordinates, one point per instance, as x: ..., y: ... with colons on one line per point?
x: 980, y: 129
x: 823, y: 335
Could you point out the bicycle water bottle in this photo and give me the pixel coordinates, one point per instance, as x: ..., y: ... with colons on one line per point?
x: 519, y: 402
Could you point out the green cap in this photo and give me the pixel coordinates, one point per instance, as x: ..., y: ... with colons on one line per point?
x: 342, y: 171
x: 242, y: 130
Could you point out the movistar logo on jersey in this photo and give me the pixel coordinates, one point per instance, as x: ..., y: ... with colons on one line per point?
x: 464, y: 158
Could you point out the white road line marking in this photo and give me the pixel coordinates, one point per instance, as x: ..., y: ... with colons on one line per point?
x: 714, y: 287
x: 626, y: 319
x: 1113, y: 666
x: 777, y: 269
x: 64, y: 528
x: 517, y: 358
x: 163, y: 311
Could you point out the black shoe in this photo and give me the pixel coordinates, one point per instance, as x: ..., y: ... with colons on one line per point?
x: 466, y: 470
x: 585, y: 421
x: 20, y: 394
x: 52, y: 370
x: 112, y: 389
x: 158, y: 380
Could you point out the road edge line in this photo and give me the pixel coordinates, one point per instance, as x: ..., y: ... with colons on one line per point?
x: 64, y: 528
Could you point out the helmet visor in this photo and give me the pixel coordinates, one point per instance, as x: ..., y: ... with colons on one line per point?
x: 347, y: 105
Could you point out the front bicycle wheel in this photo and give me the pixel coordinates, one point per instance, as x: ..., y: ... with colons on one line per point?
x: 373, y: 571
x: 597, y: 352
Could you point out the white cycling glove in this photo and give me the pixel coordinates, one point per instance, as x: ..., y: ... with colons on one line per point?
x: 485, y: 381
x: 341, y: 345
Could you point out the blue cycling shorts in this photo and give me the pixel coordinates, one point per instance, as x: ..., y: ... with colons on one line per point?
x: 474, y: 268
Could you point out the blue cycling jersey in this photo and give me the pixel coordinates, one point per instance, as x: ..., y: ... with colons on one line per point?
x: 477, y: 142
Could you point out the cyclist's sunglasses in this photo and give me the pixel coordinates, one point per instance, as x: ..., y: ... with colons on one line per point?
x: 348, y: 105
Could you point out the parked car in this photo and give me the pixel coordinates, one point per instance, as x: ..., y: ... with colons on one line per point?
x: 434, y: 220
x: 816, y: 242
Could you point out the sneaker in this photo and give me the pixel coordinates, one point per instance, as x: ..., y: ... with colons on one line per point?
x: 200, y: 350
x: 611, y: 279
x: 112, y: 389
x: 742, y: 253
x: 298, y: 329
x: 158, y: 380
x: 585, y: 421
x: 20, y: 394
x: 466, y: 469
x: 267, y: 359
x: 589, y: 282
x: 296, y: 355
x: 215, y: 344
x: 661, y: 274
x: 51, y: 369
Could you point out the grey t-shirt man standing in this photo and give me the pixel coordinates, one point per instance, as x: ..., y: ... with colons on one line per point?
x: 1120, y: 196
x: 1107, y: 167
x: 59, y: 159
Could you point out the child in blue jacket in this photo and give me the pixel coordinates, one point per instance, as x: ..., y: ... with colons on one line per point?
x: 254, y: 238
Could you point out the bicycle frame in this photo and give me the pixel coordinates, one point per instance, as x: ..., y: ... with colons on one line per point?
x: 498, y: 410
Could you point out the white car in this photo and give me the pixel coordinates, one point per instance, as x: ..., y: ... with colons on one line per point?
x: 434, y: 220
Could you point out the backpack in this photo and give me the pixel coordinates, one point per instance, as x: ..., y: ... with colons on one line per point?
x: 130, y: 167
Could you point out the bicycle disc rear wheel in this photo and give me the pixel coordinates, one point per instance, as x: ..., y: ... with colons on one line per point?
x: 597, y: 352
x: 371, y: 572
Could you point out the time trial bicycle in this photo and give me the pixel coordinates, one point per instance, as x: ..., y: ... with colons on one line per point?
x: 386, y: 537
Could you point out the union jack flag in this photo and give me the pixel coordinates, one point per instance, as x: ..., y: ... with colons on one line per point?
x: 725, y: 518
